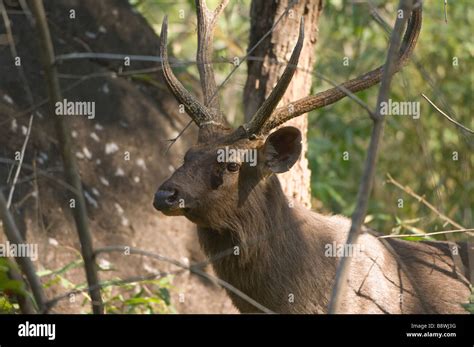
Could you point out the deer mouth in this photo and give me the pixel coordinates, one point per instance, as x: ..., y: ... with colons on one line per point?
x: 174, y: 212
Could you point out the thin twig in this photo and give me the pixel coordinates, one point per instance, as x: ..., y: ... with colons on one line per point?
x: 43, y: 173
x: 447, y: 117
x: 427, y: 234
x: 173, y: 140
x: 365, y: 188
x: 107, y: 56
x: 421, y: 199
x: 456, y: 257
x: 26, y: 10
x: 20, y: 162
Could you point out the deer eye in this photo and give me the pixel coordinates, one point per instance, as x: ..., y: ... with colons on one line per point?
x: 233, y: 167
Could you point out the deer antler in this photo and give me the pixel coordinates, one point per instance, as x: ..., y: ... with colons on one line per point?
x: 206, y: 20
x: 269, y: 105
x: 199, y: 114
x: 265, y: 123
x: 209, y: 113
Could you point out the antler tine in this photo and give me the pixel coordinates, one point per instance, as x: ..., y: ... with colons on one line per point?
x: 199, y: 114
x: 254, y: 126
x: 330, y: 96
x: 206, y: 20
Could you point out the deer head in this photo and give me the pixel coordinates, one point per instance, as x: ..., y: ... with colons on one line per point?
x: 218, y: 174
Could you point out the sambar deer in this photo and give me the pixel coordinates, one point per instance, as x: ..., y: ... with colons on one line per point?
x: 272, y: 251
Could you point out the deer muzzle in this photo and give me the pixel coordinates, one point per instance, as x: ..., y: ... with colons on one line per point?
x: 166, y: 200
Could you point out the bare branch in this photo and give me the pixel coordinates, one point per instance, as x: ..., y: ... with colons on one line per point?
x: 26, y: 11
x: 108, y: 56
x: 174, y: 139
x: 14, y: 236
x: 342, y: 273
x: 446, y: 116
x: 69, y: 162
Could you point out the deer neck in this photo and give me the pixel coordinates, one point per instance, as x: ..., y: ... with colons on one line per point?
x: 260, y: 247
x: 265, y: 215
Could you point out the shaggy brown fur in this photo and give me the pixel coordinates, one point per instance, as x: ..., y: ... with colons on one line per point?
x: 281, y: 258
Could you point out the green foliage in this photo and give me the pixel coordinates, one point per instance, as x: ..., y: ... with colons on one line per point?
x: 146, y: 296
x: 150, y: 296
x: 9, y: 288
x: 470, y: 306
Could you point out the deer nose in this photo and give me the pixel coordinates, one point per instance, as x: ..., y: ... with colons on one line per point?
x: 165, y: 199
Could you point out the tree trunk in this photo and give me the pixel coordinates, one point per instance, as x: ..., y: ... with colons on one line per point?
x: 266, y: 65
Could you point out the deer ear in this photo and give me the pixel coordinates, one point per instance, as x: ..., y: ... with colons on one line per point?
x: 282, y: 149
